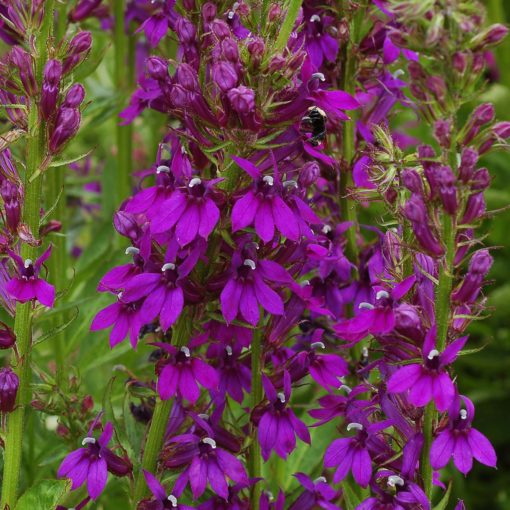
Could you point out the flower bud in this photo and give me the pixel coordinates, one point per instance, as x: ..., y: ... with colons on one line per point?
x: 230, y: 50
x: 442, y: 132
x: 437, y: 86
x: 186, y: 31
x: 74, y: 96
x: 479, y: 266
x: 447, y: 190
x: 50, y: 88
x: 481, y: 180
x: 407, y: 322
x: 7, y: 336
x: 483, y: 114
x: 308, y: 174
x: 412, y: 181
x: 118, y: 466
x: 478, y: 64
x: 256, y: 49
x: 468, y: 161
x: 242, y: 99
x: 208, y: 12
x: 83, y: 10
x: 277, y: 63
x: 157, y: 68
x: 66, y: 126
x: 11, y: 197
x: 459, y: 61
x: 275, y: 12
x: 225, y: 76
x: 491, y: 36
x: 23, y: 61
x: 220, y: 29
x: 415, y: 210
x: 475, y: 208
x: 186, y: 76
x: 9, y: 383
x: 502, y: 129
x: 77, y: 50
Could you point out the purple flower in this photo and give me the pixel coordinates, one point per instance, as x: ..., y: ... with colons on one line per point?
x: 124, y: 317
x: 161, y: 500
x: 92, y: 463
x: 316, y: 494
x: 209, y: 464
x: 319, y: 43
x: 350, y: 454
x: 461, y: 441
x: 247, y: 288
x: 193, y: 212
x: 278, y: 424
x: 181, y: 372
x: 9, y: 383
x: 377, y: 318
x: 429, y: 380
x: 27, y: 285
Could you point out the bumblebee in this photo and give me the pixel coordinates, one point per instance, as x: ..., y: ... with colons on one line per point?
x: 315, y: 124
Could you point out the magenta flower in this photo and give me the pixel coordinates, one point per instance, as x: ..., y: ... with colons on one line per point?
x: 92, y: 463
x: 161, y: 500
x: 461, y: 441
x: 278, y: 424
x: 27, y: 285
x: 377, y: 318
x: 125, y: 318
x: 209, y: 464
x: 247, y: 288
x: 263, y: 206
x: 320, y: 44
x: 429, y: 380
x: 317, y: 493
x: 181, y: 372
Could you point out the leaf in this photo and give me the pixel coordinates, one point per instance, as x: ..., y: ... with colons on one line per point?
x: 288, y: 24
x: 444, y: 502
x: 90, y: 64
x: 11, y: 136
x: 58, y: 329
x: 65, y: 162
x: 351, y: 499
x: 43, y: 495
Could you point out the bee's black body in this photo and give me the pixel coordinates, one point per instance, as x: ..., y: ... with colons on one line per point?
x: 315, y: 123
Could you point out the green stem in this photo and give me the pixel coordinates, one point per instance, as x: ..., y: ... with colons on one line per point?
x: 157, y: 428
x: 288, y: 25
x: 123, y: 78
x: 255, y: 458
x: 348, y: 83
x: 442, y: 312
x: 35, y: 151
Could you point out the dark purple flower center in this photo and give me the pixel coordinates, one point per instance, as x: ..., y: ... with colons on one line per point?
x: 28, y: 272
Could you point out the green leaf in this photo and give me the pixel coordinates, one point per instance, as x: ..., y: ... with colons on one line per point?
x: 288, y: 24
x: 444, y: 502
x: 43, y: 495
x: 90, y: 64
x: 65, y: 162
x: 351, y: 498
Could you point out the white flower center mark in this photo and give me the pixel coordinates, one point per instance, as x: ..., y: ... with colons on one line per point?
x: 186, y: 351
x: 168, y: 266
x: 320, y: 479
x: 365, y: 306
x: 211, y: 442
x: 318, y: 345
x: 364, y: 352
x: 315, y: 18
x: 172, y: 500
x: 434, y: 353
x: 268, y: 179
x: 281, y: 397
x: 346, y: 388
x: 463, y: 414
x: 162, y: 169
x: 229, y: 350
x: 131, y: 250
x: 195, y: 182
x: 326, y: 229
x: 382, y: 294
x: 28, y: 263
x: 290, y: 184
x: 319, y: 76
x: 354, y: 425
x: 88, y: 440
x: 250, y: 264
x: 395, y: 480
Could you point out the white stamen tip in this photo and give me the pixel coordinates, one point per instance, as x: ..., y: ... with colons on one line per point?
x: 354, y: 425
x: 186, y: 351
x: 463, y: 414
x: 172, y: 500
x: 315, y: 18
x: 395, y: 480
x: 320, y: 479
x: 28, y: 263
x: 211, y: 442
x: 231, y: 15
x: 131, y: 250
x: 364, y: 352
x: 120, y: 294
x: 434, y: 353
x: 346, y: 388
x: 162, y: 169
x: 281, y: 397
x: 382, y: 294
x: 268, y: 179
x: 365, y: 306
x: 319, y: 76
x: 88, y: 440
x: 203, y: 416
x: 290, y: 184
x: 229, y: 350
x: 326, y: 229
x: 250, y: 264
x: 168, y: 266
x: 318, y: 345
x: 195, y: 182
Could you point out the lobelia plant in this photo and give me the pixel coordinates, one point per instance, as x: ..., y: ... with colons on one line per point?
x: 298, y: 270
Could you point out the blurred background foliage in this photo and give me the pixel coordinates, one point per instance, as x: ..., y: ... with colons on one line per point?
x: 103, y: 373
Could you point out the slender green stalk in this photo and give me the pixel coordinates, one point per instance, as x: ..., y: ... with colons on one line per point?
x: 35, y: 151
x: 442, y: 312
x: 288, y: 24
x: 348, y: 83
x: 157, y: 428
x: 123, y: 78
x: 255, y: 459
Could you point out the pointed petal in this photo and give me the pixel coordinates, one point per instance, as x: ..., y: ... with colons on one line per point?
x: 244, y: 210
x: 172, y: 307
x: 229, y: 298
x: 248, y: 167
x: 481, y: 448
x: 462, y: 455
x: 285, y: 219
x: 209, y: 216
x: 249, y: 306
x: 361, y: 467
x: 404, y: 378
x: 97, y: 476
x: 264, y: 222
x: 442, y: 449
x: 267, y: 297
x: 167, y: 382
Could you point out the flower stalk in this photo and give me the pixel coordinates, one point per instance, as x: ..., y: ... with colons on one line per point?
x: 35, y: 153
